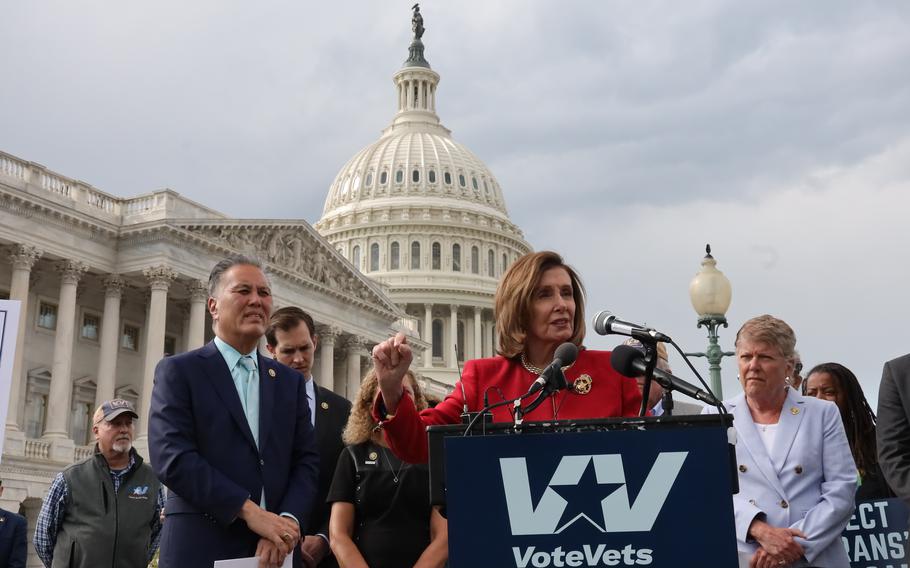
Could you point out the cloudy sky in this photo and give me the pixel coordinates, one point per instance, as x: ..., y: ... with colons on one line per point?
x: 626, y: 135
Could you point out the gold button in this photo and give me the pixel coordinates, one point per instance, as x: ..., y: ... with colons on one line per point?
x: 784, y: 504
x: 798, y: 469
x: 743, y: 468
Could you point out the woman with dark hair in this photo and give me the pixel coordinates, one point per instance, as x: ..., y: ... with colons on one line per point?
x: 538, y: 306
x: 834, y: 382
x: 376, y: 497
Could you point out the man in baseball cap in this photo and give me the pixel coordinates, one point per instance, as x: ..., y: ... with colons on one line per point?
x: 103, y: 511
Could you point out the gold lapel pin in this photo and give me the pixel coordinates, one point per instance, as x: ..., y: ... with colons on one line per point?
x: 373, y: 455
x: 324, y: 405
x: 794, y: 411
x: 272, y: 373
x: 583, y: 384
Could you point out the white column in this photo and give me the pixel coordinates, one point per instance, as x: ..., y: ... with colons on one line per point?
x: 199, y: 294
x: 110, y: 335
x: 453, y: 336
x: 420, y: 92
x: 428, y: 334
x: 491, y: 331
x: 494, y: 338
x: 478, y: 335
x: 354, y: 347
x: 327, y: 335
x: 58, y: 406
x: 23, y: 258
x: 160, y: 278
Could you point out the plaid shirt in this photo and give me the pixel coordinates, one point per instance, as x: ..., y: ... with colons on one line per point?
x: 53, y: 510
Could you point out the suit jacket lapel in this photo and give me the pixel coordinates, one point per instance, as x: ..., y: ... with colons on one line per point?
x: 751, y: 441
x: 267, y: 385
x: 791, y: 416
x: 219, y: 375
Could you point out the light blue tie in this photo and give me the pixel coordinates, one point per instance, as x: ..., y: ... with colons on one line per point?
x: 250, y: 396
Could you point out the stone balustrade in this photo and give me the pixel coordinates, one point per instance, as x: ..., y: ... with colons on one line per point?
x: 83, y: 452
x: 37, y: 449
x: 84, y: 197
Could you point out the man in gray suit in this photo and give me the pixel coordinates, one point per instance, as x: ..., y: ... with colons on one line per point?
x: 893, y: 430
x: 658, y: 399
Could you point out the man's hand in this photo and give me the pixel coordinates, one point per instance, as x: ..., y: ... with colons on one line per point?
x: 313, y: 549
x: 777, y: 544
x: 391, y: 360
x: 281, y: 532
x: 268, y: 554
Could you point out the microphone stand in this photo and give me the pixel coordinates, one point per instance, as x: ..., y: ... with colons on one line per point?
x: 667, y: 402
x: 556, y: 381
x: 650, y: 363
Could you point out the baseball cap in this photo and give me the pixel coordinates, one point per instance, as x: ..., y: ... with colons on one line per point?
x: 111, y: 409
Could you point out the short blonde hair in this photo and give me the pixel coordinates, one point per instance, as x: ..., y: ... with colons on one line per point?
x: 515, y: 295
x: 770, y: 330
x: 361, y: 424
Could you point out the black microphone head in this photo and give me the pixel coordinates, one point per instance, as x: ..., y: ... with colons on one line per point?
x: 600, y: 322
x: 566, y: 353
x: 623, y: 360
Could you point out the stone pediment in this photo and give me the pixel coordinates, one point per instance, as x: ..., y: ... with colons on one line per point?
x: 295, y: 249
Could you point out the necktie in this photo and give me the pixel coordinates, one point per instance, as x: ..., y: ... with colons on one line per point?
x: 251, y: 396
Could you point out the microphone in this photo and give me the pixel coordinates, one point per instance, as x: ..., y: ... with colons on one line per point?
x: 565, y: 355
x: 630, y: 361
x: 605, y: 323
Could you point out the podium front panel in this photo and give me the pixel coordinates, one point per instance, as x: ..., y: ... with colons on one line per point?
x: 644, y: 497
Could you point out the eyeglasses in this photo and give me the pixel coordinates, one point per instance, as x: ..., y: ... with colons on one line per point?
x: 798, y: 368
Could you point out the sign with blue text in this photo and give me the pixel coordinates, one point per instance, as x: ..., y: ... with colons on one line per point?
x: 644, y: 497
x: 876, y: 536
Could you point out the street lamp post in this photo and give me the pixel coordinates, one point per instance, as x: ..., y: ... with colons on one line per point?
x: 710, y: 293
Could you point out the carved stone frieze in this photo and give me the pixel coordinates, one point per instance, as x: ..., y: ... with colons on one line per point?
x: 291, y: 249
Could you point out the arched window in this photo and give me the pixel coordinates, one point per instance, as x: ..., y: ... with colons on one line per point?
x: 393, y: 256
x: 460, y: 344
x: 374, y: 257
x: 437, y: 256
x: 415, y: 255
x: 369, y: 180
x: 456, y: 258
x: 383, y: 178
x: 399, y: 176
x: 447, y: 177
x: 355, y: 257
x: 505, y: 261
x: 437, y: 338
x: 475, y: 260
x: 491, y: 263
x: 461, y: 181
x: 431, y: 175
x: 474, y: 182
x: 415, y: 176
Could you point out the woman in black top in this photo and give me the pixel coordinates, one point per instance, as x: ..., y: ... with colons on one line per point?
x: 834, y: 382
x: 381, y: 514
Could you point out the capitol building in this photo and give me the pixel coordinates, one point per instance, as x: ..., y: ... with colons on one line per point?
x: 413, y: 237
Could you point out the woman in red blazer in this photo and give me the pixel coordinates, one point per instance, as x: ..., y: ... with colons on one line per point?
x: 539, y: 305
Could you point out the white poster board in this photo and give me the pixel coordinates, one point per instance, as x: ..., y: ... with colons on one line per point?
x: 9, y: 329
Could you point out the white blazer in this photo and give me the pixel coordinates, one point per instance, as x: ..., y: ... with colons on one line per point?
x: 807, y: 482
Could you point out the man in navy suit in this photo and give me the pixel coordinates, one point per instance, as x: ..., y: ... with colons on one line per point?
x: 230, y: 436
x: 291, y: 339
x: 13, y: 540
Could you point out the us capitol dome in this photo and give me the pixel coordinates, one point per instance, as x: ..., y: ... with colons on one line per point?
x: 424, y: 217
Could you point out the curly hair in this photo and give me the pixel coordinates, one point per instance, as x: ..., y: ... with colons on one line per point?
x: 857, y: 415
x: 361, y: 424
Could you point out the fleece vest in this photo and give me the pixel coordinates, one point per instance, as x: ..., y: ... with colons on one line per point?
x: 102, y: 528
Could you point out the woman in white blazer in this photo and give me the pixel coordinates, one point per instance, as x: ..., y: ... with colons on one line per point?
x: 796, y: 472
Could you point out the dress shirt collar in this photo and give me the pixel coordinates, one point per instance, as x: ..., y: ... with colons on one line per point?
x: 232, y: 356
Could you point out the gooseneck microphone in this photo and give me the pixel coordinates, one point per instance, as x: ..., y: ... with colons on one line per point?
x: 630, y: 361
x: 605, y: 323
x: 565, y: 355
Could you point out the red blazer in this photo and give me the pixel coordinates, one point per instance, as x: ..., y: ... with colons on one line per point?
x: 611, y: 395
